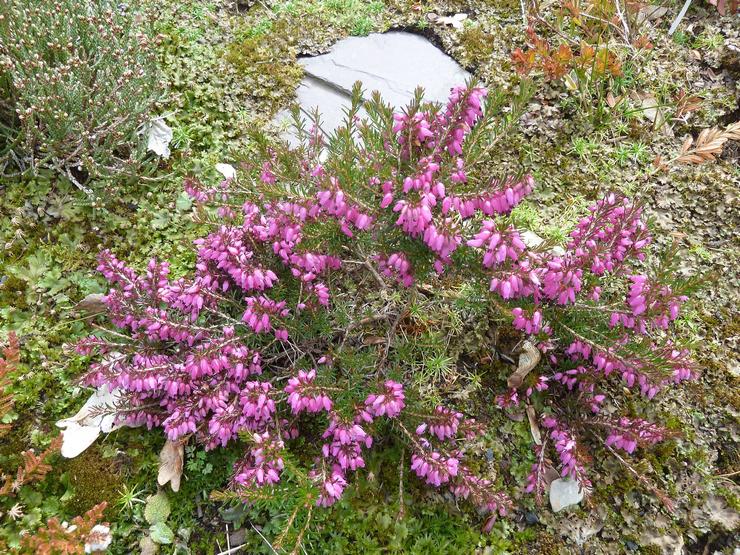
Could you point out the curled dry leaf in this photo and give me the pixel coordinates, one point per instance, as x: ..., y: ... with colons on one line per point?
x: 92, y: 304
x: 612, y: 100
x: 565, y: 492
x: 533, y: 426
x: 170, y: 464
x: 158, y: 136
x: 528, y: 359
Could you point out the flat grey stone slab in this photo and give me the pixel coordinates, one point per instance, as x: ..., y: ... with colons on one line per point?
x: 393, y: 63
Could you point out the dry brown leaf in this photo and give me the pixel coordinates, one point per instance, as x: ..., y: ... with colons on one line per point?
x: 528, y: 359
x: 708, y: 145
x: 533, y: 426
x: 612, y: 100
x: 171, y: 459
x: 374, y: 340
x: 686, y: 104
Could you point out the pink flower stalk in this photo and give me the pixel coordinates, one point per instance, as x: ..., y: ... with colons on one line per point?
x: 650, y: 305
x: 264, y: 465
x: 414, y: 132
x: 347, y: 441
x: 303, y: 395
x: 332, y: 487
x: 530, y: 326
x: 226, y: 251
x: 333, y: 201
x: 267, y: 176
x: 256, y: 401
x: 612, y: 234
x: 567, y: 450
x: 389, y: 402
x: 633, y: 370
x: 435, y: 468
x: 464, y: 108
x: 444, y: 423
x: 629, y: 433
x: 259, y: 312
x: 443, y: 240
x: 501, y: 198
x: 508, y: 399
x: 481, y: 492
x: 396, y: 266
x: 194, y: 190
x: 500, y: 244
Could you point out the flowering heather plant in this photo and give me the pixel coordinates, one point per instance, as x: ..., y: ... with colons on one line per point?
x: 266, y: 339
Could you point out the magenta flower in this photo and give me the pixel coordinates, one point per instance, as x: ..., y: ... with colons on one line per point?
x: 303, y: 395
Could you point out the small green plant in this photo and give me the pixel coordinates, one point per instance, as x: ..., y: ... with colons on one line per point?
x: 130, y: 496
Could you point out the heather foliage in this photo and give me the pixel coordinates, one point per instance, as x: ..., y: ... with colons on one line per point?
x: 292, y: 332
x: 77, y: 81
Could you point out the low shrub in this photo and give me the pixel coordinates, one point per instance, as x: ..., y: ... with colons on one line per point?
x: 296, y: 329
x: 77, y: 80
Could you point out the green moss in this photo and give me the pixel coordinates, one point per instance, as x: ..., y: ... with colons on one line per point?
x: 13, y: 293
x: 93, y: 479
x: 477, y: 44
x: 269, y: 62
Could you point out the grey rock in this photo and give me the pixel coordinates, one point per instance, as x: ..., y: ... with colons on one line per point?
x: 393, y: 63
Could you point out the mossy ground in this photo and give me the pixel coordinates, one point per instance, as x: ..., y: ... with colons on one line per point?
x: 229, y: 66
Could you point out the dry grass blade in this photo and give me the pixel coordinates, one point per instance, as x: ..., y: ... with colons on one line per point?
x: 708, y: 145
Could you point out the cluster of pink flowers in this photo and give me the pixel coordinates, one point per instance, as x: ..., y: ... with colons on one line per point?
x: 396, y: 266
x: 500, y: 244
x: 264, y: 464
x: 566, y: 447
x: 332, y: 486
x: 413, y: 132
x: 432, y: 144
x: 438, y: 464
x: 259, y: 312
x: 650, y: 304
x: 443, y: 424
x: 333, y: 201
x: 629, y: 433
x: 389, y: 402
x: 434, y: 467
x: 304, y: 395
x: 634, y: 370
x: 464, y: 109
x: 529, y: 325
x: 347, y: 442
